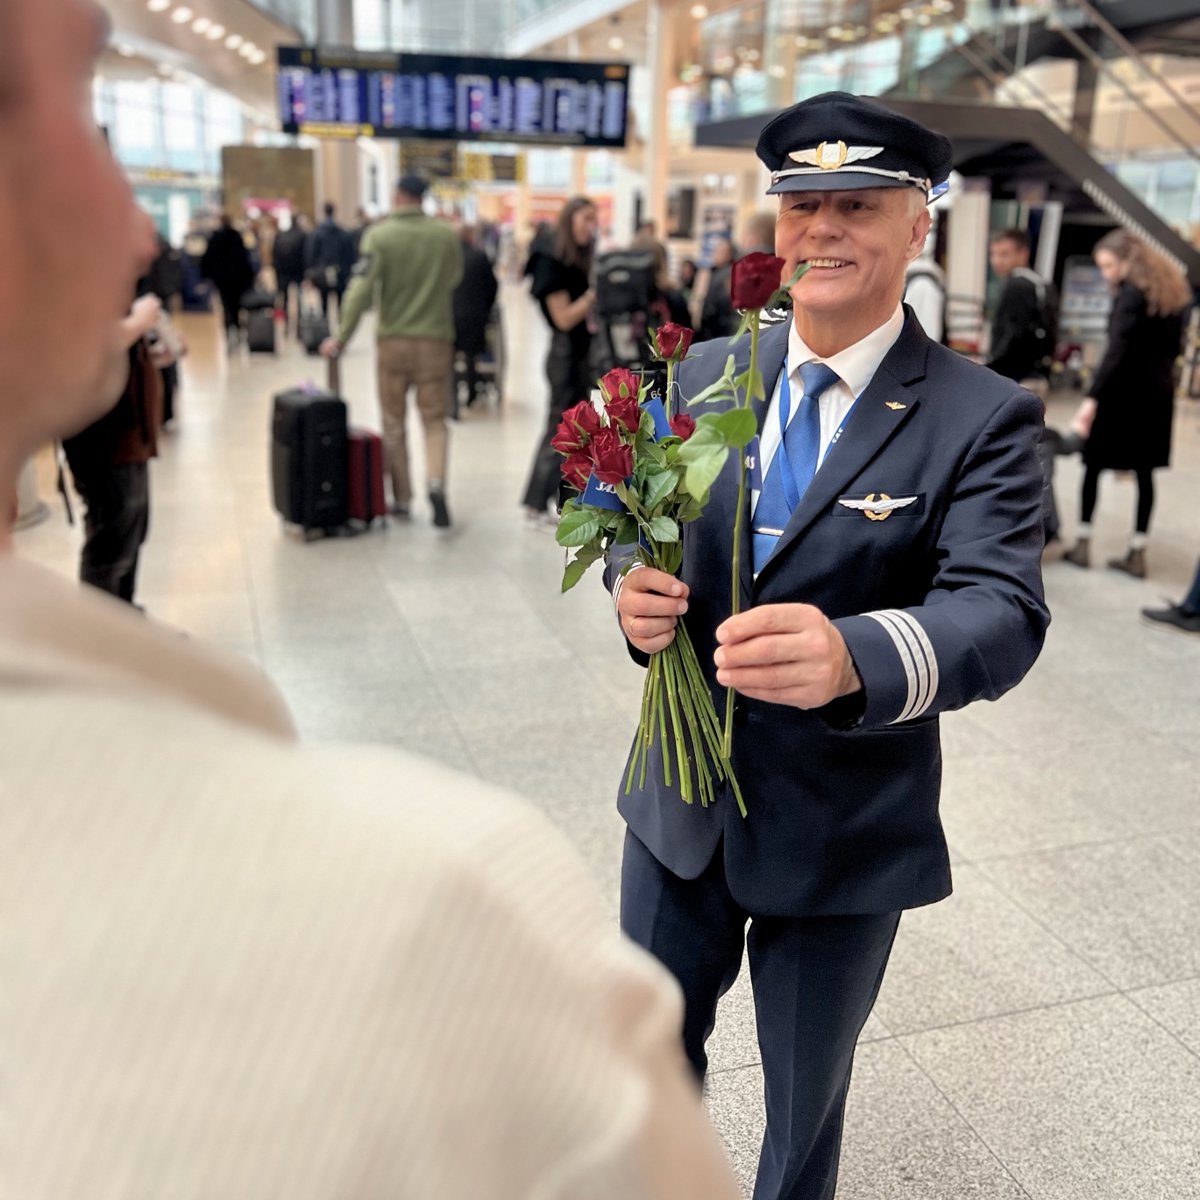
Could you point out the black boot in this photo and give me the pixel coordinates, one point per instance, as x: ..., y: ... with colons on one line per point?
x: 1078, y: 554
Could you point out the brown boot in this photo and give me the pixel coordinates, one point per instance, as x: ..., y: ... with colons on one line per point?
x: 1078, y: 554
x: 1134, y: 563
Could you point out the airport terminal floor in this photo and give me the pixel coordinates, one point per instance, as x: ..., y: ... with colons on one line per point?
x: 1036, y: 1036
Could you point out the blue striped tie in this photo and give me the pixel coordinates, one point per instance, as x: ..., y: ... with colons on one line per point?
x: 795, y: 462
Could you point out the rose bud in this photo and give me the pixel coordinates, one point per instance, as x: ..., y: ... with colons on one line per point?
x: 754, y: 280
x: 577, y: 470
x: 580, y: 423
x: 683, y: 426
x: 611, y: 458
x: 673, y: 341
x: 625, y: 412
x: 620, y: 380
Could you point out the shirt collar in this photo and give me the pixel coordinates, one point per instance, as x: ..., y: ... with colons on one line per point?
x: 857, y: 364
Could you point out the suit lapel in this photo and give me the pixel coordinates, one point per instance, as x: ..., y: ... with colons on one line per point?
x: 887, y: 403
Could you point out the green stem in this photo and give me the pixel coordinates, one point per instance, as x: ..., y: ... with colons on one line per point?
x: 671, y: 681
x: 664, y: 684
x: 735, y: 601
x: 670, y: 386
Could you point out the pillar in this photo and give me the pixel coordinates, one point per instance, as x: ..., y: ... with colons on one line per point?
x: 337, y: 162
x: 660, y: 40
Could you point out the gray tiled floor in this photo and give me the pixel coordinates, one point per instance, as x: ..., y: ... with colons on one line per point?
x: 1038, y: 1034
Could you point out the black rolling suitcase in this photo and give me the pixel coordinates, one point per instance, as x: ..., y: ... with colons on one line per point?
x: 260, y: 331
x: 309, y: 459
x: 312, y: 329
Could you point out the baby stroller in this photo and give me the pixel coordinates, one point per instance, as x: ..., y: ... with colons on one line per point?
x: 625, y: 289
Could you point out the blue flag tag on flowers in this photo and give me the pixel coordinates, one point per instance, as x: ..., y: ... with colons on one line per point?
x: 662, y: 427
x: 601, y: 495
x: 754, y: 465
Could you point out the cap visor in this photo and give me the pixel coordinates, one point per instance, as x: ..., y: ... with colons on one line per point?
x: 834, y: 181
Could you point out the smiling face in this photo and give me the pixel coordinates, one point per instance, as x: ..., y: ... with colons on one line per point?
x: 857, y: 244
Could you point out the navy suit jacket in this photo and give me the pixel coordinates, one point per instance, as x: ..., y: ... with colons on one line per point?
x: 940, y: 603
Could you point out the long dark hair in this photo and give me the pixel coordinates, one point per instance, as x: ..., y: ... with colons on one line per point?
x: 566, y: 249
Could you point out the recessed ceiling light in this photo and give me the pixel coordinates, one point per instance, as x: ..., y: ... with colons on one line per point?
x: 125, y: 50
x: 215, y: 33
x: 835, y: 31
x: 233, y: 41
x: 699, y: 12
x: 616, y: 43
x: 777, y: 70
x: 158, y: 5
x: 248, y: 50
x: 201, y: 25
x: 181, y: 16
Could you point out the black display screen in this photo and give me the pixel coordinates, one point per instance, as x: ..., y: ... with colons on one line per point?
x: 348, y: 93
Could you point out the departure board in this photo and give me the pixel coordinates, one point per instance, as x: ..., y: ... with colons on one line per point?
x: 348, y: 93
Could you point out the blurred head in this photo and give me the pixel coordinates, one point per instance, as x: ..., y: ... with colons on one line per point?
x: 72, y: 240
x: 758, y: 233
x: 468, y: 233
x: 648, y: 242
x: 722, y: 253
x: 687, y: 272
x: 575, y: 233
x: 1008, y: 250
x: 330, y: 211
x: 410, y: 190
x: 1124, y: 258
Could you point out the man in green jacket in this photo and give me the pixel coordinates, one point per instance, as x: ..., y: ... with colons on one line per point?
x: 409, y: 268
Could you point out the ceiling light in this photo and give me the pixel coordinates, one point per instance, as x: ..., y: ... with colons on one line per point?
x: 258, y: 58
x: 944, y: 6
x: 125, y: 50
x: 699, y: 12
x: 215, y: 33
x: 924, y: 19
x: 201, y: 25
x: 158, y: 5
x: 616, y: 43
x: 233, y: 41
x: 248, y: 50
x: 181, y: 16
x: 835, y: 31
x: 778, y: 71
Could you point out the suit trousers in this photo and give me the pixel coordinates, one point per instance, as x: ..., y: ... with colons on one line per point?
x: 426, y: 364
x: 815, y: 980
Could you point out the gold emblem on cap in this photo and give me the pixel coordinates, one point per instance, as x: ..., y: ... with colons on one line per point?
x: 829, y: 158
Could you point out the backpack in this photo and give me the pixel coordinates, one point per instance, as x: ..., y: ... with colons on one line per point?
x: 1045, y: 336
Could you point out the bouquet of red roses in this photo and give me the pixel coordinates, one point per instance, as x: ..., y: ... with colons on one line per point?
x: 625, y: 460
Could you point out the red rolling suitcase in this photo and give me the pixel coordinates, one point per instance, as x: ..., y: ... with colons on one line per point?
x: 365, y: 475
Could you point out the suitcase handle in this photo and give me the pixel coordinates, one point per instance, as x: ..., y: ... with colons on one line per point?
x: 335, y: 373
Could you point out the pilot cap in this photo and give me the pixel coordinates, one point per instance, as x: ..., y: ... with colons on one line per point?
x: 838, y: 142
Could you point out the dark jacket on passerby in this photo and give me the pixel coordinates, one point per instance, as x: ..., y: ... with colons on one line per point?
x: 165, y: 277
x: 128, y: 432
x: 289, y: 255
x: 1023, y: 328
x: 1134, y: 387
x: 474, y: 299
x: 227, y: 263
x: 717, y: 316
x: 329, y: 255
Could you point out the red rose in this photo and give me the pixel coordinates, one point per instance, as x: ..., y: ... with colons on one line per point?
x: 625, y: 412
x: 673, y: 341
x: 754, y: 280
x: 611, y: 458
x: 683, y: 426
x: 579, y: 425
x: 619, y: 381
x: 577, y: 470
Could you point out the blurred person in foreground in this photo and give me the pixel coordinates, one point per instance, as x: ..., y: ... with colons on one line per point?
x: 233, y: 967
x: 1127, y: 417
x: 890, y: 573
x: 560, y: 266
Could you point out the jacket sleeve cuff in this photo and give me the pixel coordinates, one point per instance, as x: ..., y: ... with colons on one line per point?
x: 895, y: 661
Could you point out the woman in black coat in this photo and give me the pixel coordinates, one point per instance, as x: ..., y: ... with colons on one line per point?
x: 1132, y: 400
x: 227, y: 263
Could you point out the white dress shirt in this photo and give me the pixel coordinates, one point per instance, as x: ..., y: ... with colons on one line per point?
x: 855, y: 367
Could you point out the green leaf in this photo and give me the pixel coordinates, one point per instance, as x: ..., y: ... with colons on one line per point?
x: 663, y: 529
x: 738, y: 426
x: 659, y: 485
x: 627, y: 531
x: 702, y: 473
x: 719, y: 389
x: 578, y: 527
